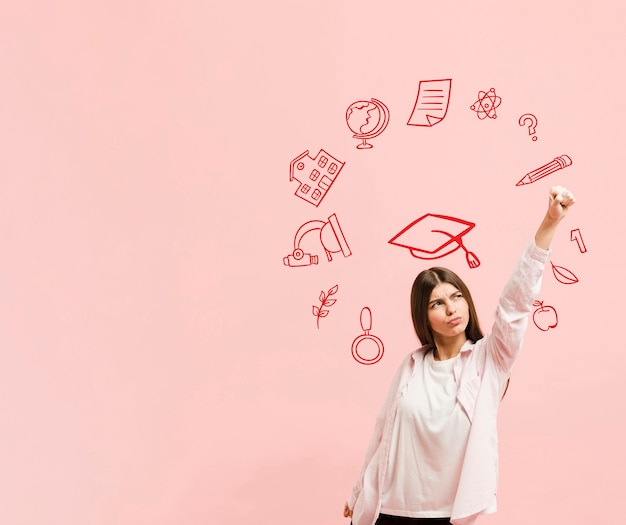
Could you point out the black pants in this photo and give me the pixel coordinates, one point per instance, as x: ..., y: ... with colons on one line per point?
x: 386, y: 519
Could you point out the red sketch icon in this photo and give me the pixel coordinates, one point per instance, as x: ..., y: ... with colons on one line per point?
x: 326, y: 302
x: 331, y: 238
x: 547, y: 169
x: 575, y: 235
x: 431, y: 103
x: 486, y: 104
x: 366, y: 337
x: 530, y: 121
x: 315, y: 175
x: 563, y: 275
x: 545, y: 317
x: 367, y: 120
x: 435, y: 236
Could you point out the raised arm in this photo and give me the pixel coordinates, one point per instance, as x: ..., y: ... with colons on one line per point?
x: 560, y: 201
x: 516, y: 301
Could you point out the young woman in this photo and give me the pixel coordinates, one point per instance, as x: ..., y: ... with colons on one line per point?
x: 433, y: 457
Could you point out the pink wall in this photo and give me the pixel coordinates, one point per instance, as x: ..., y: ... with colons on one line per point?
x: 161, y: 365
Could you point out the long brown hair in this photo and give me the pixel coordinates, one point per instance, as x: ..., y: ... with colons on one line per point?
x: 423, y: 286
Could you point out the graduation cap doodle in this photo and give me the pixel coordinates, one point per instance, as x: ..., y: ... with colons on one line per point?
x: 435, y: 236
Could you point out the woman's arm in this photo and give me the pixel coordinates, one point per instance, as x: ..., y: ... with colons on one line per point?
x: 560, y: 202
x: 516, y: 301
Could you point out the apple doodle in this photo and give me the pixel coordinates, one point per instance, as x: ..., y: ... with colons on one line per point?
x: 545, y: 317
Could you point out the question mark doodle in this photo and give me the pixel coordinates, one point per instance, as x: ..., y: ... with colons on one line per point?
x: 528, y: 119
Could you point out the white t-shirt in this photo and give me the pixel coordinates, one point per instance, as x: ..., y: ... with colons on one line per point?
x: 427, y: 446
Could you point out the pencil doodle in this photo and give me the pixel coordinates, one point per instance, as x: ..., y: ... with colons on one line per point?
x: 547, y: 169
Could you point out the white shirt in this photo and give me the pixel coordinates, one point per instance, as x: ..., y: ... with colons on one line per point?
x: 427, y: 445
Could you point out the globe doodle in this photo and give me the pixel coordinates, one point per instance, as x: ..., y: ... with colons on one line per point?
x: 367, y: 119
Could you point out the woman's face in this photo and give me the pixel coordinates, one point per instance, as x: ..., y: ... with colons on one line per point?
x: 448, y: 312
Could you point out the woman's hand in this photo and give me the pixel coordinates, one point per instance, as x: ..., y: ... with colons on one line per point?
x: 560, y: 201
x: 347, y: 511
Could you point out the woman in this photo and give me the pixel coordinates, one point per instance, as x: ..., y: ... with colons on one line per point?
x: 433, y: 456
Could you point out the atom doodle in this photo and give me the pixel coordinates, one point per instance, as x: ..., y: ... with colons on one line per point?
x: 486, y: 104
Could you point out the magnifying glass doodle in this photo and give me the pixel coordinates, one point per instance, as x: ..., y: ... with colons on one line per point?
x: 366, y: 325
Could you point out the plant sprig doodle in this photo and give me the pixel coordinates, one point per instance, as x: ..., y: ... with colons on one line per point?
x: 326, y: 302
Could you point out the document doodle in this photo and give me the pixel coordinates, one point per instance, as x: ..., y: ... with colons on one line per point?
x: 431, y: 104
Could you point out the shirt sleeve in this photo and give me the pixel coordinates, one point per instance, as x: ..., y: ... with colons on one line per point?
x: 379, y: 427
x: 514, y: 307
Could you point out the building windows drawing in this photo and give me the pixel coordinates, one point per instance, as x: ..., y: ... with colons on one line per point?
x: 314, y: 173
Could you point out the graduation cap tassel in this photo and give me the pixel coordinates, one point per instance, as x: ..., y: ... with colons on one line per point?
x: 470, y: 257
x: 472, y: 260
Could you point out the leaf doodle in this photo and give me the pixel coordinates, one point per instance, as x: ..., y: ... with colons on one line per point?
x: 563, y: 275
x: 319, y: 311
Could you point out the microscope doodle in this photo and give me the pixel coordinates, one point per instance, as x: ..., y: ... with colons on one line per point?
x: 367, y: 120
x: 331, y: 237
x: 315, y: 175
x: 366, y: 336
x: 435, y: 236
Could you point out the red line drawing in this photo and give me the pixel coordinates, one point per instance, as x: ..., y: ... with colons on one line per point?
x: 367, y: 120
x: 331, y: 236
x: 366, y: 325
x: 547, y: 169
x: 431, y: 103
x: 435, y: 236
x: 317, y: 175
x: 545, y: 317
x: 326, y: 301
x: 575, y: 235
x: 486, y: 104
x: 563, y: 275
x: 530, y: 121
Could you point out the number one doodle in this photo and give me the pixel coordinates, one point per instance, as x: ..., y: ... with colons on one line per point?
x: 576, y: 236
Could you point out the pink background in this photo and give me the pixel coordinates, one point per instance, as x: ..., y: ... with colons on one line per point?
x: 160, y: 364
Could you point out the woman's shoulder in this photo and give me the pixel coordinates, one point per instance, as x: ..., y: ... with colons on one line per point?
x: 418, y: 354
